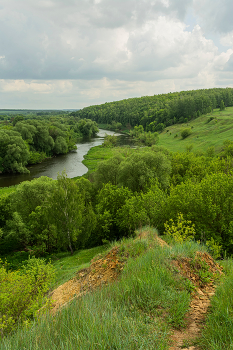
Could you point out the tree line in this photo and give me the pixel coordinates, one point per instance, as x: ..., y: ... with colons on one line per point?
x: 157, y: 112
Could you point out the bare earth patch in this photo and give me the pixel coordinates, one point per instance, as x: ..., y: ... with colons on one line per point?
x: 99, y: 273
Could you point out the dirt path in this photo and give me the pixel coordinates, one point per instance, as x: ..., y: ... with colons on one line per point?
x: 200, y: 300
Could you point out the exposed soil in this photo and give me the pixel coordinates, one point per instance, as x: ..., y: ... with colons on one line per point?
x: 100, y: 272
x: 200, y: 299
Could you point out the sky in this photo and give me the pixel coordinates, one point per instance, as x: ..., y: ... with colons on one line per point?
x: 69, y: 54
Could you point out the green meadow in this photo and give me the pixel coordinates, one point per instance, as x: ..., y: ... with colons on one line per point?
x: 210, y: 130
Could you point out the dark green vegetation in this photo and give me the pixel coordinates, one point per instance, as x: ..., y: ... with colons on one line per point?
x: 156, y: 112
x: 29, y: 141
x: 132, y: 188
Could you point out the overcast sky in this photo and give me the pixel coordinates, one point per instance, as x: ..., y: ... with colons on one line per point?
x: 74, y: 53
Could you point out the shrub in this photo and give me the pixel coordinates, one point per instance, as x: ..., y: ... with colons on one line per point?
x: 185, y: 133
x: 181, y: 231
x: 22, y: 292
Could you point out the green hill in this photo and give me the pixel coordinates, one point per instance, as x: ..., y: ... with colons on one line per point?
x: 210, y: 130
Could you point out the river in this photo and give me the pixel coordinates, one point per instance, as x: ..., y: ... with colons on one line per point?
x: 71, y: 162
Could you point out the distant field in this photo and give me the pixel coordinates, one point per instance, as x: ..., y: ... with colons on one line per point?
x: 205, y: 133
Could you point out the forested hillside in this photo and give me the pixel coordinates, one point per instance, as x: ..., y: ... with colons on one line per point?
x: 156, y: 112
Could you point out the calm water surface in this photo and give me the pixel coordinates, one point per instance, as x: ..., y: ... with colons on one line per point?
x: 71, y: 162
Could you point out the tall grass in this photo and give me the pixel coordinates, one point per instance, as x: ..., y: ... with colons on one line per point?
x: 218, y: 332
x: 136, y: 312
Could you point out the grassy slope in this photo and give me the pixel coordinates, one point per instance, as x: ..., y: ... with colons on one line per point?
x: 136, y: 312
x: 204, y: 134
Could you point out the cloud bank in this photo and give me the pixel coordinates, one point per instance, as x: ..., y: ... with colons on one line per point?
x: 73, y: 53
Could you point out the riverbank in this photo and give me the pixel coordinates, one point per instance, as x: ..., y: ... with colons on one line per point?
x: 72, y: 162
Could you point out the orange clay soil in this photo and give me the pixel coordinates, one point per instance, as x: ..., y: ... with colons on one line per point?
x: 100, y: 272
x: 200, y: 299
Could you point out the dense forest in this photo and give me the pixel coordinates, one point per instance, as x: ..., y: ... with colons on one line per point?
x: 156, y: 112
x: 134, y: 187
x: 29, y: 140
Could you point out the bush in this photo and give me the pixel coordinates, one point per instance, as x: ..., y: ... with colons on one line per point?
x: 181, y: 231
x: 185, y: 133
x: 22, y: 292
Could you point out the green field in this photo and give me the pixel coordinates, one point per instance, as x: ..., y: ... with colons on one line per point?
x: 96, y: 155
x: 205, y: 133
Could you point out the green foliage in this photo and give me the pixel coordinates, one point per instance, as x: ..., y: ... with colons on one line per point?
x: 110, y: 200
x: 108, y: 171
x: 222, y: 105
x: 180, y: 231
x: 218, y: 331
x: 33, y: 140
x: 227, y: 149
x: 22, y: 292
x: 67, y: 212
x: 17, y: 119
x: 157, y: 112
x: 110, y: 141
x: 13, y: 152
x: 137, y: 170
x: 208, y: 204
x: 36, y: 157
x: 141, y: 209
x: 210, y: 119
x: 185, y: 133
x: 87, y: 127
x: 214, y: 248
x: 60, y: 146
x: 146, y: 138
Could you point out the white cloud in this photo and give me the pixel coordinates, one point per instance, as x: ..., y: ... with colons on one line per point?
x: 35, y: 86
x: 96, y: 50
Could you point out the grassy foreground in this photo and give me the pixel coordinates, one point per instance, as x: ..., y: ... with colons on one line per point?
x: 138, y: 311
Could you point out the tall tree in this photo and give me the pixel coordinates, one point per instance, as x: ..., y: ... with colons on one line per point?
x: 67, y: 207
